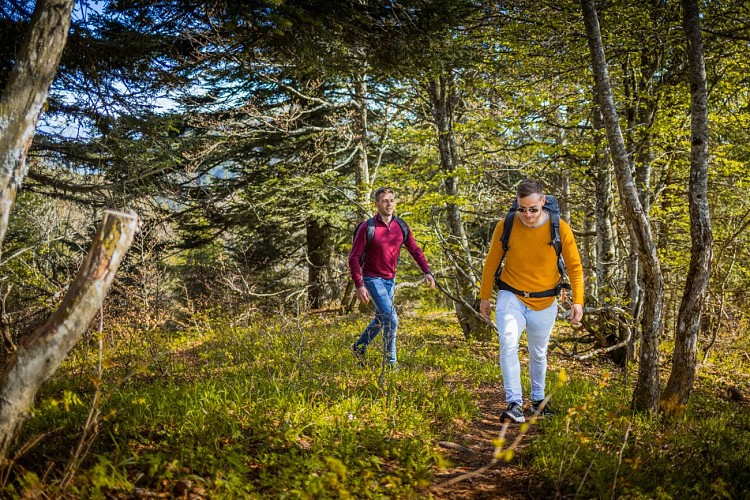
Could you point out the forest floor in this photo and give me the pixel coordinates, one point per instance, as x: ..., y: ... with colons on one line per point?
x: 471, y: 473
x: 501, y: 480
x: 280, y: 408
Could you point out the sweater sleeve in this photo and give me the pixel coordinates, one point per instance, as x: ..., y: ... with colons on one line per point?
x: 491, y: 262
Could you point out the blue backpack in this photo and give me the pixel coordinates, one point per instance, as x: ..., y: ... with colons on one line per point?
x: 371, y: 232
x: 553, y: 209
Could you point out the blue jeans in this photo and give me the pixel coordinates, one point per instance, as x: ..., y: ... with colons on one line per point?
x: 381, y: 292
x: 513, y: 317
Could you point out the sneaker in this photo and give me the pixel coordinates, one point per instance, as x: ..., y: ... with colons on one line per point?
x: 544, y: 411
x: 514, y: 413
x: 359, y: 354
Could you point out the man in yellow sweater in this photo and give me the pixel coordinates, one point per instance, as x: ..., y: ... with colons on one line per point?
x: 530, y: 271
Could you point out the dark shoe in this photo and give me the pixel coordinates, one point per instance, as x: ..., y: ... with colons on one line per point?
x: 514, y: 413
x: 359, y: 354
x: 541, y: 411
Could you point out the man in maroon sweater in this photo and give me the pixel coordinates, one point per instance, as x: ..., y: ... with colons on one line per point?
x: 373, y: 269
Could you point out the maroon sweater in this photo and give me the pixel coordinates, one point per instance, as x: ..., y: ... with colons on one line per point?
x: 382, y: 253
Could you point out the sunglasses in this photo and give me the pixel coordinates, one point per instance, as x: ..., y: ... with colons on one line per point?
x: 533, y: 210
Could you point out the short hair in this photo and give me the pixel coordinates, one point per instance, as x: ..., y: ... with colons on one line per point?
x: 527, y: 187
x: 382, y: 190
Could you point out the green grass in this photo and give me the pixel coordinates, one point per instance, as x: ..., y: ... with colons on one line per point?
x: 276, y: 409
x: 280, y: 409
x: 601, y: 449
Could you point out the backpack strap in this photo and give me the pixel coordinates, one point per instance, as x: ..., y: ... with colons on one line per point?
x: 552, y: 292
x: 404, y: 228
x: 505, y: 238
x: 371, y: 233
x: 552, y: 208
x: 368, y: 237
x: 556, y: 242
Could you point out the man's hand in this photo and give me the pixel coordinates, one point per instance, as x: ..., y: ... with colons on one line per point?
x: 362, y: 295
x: 485, y: 308
x: 430, y: 280
x: 576, y: 314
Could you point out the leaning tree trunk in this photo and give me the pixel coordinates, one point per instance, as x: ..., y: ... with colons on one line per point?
x: 443, y: 102
x: 646, y: 394
x: 25, y: 94
x: 680, y: 384
x: 39, y: 355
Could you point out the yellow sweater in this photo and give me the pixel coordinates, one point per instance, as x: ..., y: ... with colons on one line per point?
x: 531, y: 263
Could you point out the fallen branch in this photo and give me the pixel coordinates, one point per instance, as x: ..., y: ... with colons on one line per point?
x: 616, y: 313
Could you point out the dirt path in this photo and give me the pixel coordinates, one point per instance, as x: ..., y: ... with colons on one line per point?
x: 474, y: 449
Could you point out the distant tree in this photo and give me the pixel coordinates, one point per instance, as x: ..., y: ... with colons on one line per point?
x: 444, y: 97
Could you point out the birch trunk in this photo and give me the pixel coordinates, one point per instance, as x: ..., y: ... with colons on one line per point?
x: 39, y: 355
x: 606, y: 248
x: 646, y: 394
x: 680, y: 384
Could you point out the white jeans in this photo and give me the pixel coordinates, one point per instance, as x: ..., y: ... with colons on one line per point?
x: 513, y: 317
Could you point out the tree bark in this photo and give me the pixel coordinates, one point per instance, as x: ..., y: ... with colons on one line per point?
x: 606, y: 248
x: 680, y: 384
x: 646, y: 394
x: 443, y: 102
x: 24, y: 96
x: 39, y: 355
x: 606, y: 237
x: 362, y: 185
x: 319, y: 252
x: 362, y: 172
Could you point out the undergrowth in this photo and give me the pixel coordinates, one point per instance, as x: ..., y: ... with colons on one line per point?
x: 279, y: 408
x: 598, y: 448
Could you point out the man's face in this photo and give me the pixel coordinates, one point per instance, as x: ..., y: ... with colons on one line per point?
x: 530, y: 209
x: 385, y: 204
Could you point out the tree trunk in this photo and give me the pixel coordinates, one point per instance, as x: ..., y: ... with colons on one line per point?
x: 39, y: 355
x: 362, y: 186
x: 563, y: 178
x: 24, y: 96
x: 443, y: 102
x: 646, y: 394
x: 606, y: 248
x: 680, y: 384
x: 319, y: 252
x: 362, y: 172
